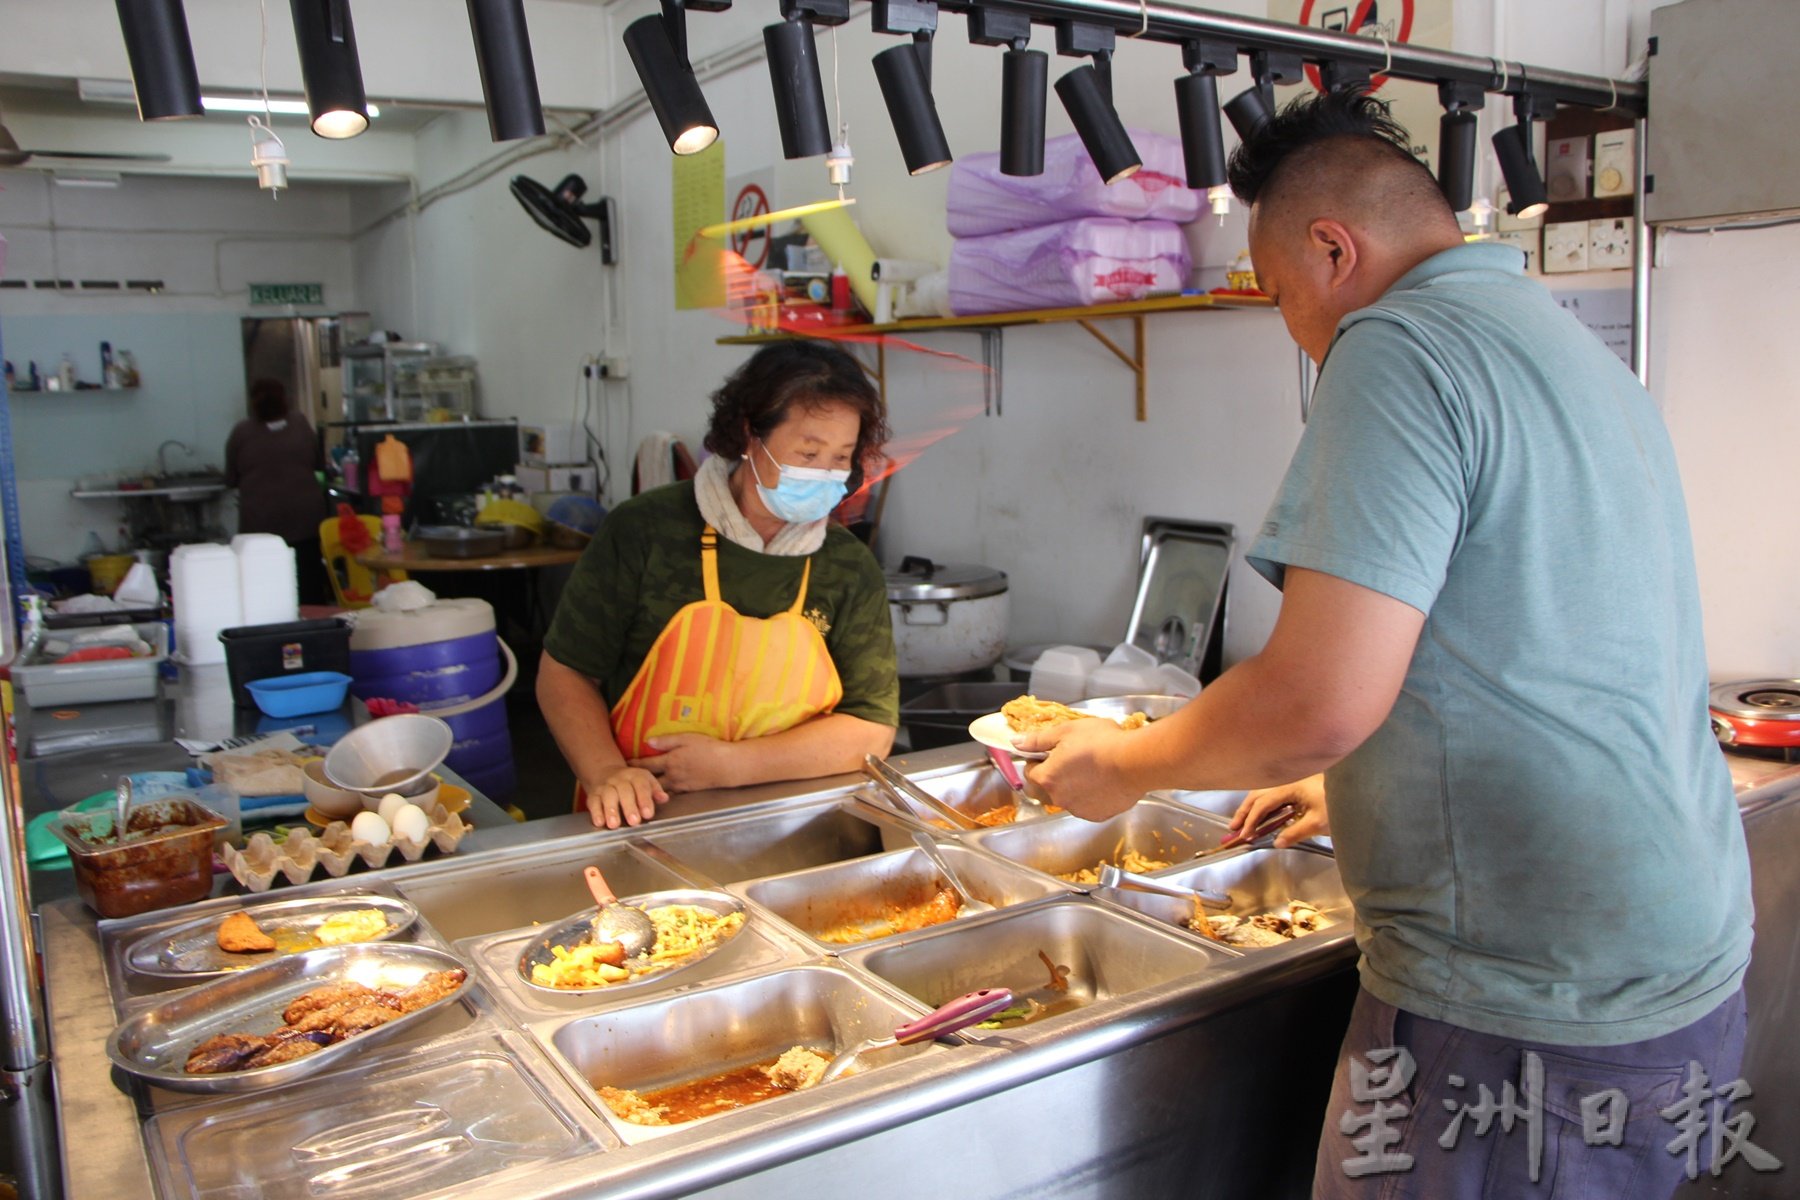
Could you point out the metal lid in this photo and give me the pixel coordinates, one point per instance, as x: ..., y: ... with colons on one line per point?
x: 1758, y: 700
x: 921, y: 579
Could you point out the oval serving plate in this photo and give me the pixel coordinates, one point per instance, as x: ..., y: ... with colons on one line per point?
x: 154, y: 1044
x: 576, y: 930
x: 191, y: 950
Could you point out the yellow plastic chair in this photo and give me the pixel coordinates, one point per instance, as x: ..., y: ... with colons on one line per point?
x: 352, y: 583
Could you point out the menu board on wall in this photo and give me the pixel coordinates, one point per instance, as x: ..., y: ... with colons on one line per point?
x: 698, y: 190
x: 1397, y: 22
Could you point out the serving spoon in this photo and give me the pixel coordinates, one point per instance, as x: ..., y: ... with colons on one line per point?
x: 615, y: 922
x: 960, y: 1013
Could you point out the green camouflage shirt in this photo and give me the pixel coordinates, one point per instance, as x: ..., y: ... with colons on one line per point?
x: 643, y: 566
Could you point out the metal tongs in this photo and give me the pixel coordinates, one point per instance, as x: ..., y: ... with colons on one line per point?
x: 905, y: 794
x: 1262, y: 835
x: 960, y: 1013
x: 1118, y: 880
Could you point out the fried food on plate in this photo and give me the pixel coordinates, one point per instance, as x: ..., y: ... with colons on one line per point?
x: 1028, y: 713
x: 240, y: 934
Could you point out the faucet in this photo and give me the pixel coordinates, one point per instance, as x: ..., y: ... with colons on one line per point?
x: 162, y: 464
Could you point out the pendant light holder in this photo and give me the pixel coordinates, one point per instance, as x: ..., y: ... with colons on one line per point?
x: 1457, y: 137
x: 1197, y: 108
x: 163, y: 74
x: 329, y: 67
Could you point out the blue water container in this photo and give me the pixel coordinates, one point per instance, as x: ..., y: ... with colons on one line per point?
x: 441, y: 656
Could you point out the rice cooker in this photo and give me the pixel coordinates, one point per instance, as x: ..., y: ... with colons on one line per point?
x: 949, y: 618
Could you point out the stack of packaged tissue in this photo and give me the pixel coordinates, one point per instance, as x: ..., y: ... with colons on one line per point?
x: 1067, y: 674
x: 1065, y: 238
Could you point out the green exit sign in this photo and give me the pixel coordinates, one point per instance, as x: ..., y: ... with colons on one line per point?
x: 287, y: 293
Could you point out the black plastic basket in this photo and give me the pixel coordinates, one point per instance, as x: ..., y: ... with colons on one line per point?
x: 254, y: 652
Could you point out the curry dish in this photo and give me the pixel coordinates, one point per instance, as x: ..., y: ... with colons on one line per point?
x: 795, y: 1070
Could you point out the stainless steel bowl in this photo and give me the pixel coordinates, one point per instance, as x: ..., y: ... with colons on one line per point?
x: 390, y: 754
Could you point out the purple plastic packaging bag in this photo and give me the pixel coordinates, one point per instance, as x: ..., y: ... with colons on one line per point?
x: 1096, y: 260
x: 981, y: 200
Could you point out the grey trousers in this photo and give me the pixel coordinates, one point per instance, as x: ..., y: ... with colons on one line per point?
x: 1424, y: 1110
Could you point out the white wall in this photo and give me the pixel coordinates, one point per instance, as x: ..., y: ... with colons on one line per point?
x: 206, y: 239
x: 1053, y: 490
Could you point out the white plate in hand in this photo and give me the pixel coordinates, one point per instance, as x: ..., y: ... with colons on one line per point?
x: 994, y: 732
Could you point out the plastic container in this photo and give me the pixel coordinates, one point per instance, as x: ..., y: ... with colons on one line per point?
x: 1061, y: 673
x: 254, y: 652
x: 298, y: 695
x: 55, y: 685
x: 166, y: 859
x: 268, y: 587
x: 106, y: 570
x: 203, y: 584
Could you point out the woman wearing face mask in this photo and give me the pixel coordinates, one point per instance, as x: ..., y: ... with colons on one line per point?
x: 723, y: 631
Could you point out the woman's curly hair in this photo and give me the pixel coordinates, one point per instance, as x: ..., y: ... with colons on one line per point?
x: 759, y: 395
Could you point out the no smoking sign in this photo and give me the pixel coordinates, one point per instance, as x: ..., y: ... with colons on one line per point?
x: 751, y: 245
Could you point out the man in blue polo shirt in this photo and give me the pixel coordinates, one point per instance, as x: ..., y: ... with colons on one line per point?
x: 1489, y: 643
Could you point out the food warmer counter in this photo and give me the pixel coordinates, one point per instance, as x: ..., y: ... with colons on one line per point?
x: 1168, y: 1064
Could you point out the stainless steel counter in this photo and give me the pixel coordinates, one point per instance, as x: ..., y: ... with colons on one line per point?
x: 1183, y: 1075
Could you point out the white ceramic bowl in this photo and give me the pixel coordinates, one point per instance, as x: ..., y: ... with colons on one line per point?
x: 329, y: 801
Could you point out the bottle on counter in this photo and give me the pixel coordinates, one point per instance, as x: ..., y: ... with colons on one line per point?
x: 391, y: 538
x: 352, y: 469
x: 65, y: 373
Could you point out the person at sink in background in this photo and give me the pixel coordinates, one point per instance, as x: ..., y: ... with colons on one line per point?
x: 1490, y: 642
x: 725, y: 631
x: 271, y: 458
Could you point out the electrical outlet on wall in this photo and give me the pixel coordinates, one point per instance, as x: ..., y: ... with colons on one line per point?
x: 1565, y: 247
x: 1566, y: 168
x: 1609, y: 244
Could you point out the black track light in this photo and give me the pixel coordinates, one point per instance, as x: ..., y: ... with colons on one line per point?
x: 904, y: 73
x: 1513, y: 146
x: 162, y: 59
x: 1024, y: 90
x: 799, y: 96
x: 1086, y: 93
x: 1250, y: 109
x: 1457, y: 137
x: 508, y: 75
x: 1086, y: 98
x: 901, y: 73
x: 1197, y: 107
x: 1024, y: 86
x: 329, y: 67
x: 658, y: 48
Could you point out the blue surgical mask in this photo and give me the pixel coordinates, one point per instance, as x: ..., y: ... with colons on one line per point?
x: 804, y: 494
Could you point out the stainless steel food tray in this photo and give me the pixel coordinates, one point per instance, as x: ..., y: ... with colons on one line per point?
x: 483, y: 1109
x: 154, y: 1044
x: 1108, y: 956
x: 1157, y: 830
x: 578, y: 929
x: 664, y: 1042
x: 191, y: 951
x: 815, y: 901
x: 733, y: 850
x: 1255, y: 881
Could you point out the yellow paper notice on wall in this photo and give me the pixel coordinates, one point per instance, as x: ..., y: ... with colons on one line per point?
x: 699, y: 197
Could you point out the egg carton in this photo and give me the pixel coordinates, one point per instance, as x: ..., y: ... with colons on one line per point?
x: 299, y: 857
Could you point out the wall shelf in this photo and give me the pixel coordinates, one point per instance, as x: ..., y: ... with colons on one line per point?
x: 991, y: 325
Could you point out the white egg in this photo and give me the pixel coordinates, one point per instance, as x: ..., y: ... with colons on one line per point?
x: 369, y: 827
x: 410, y: 824
x: 390, y: 804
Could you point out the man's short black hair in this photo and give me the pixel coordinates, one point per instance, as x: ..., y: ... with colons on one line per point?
x: 1310, y: 122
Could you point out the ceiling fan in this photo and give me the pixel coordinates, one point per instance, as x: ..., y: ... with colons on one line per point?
x: 11, y: 155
